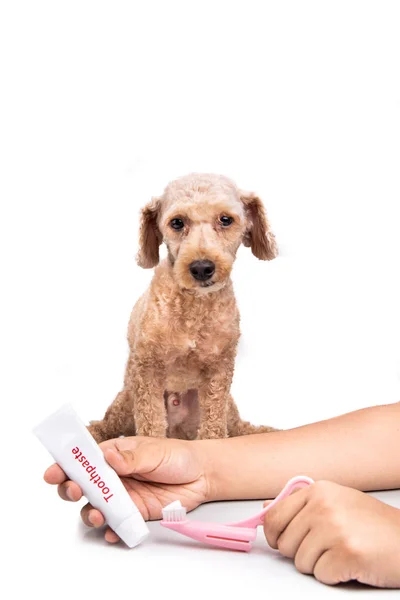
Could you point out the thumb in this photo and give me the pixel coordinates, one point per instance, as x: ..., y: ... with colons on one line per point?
x: 122, y: 461
x: 135, y: 456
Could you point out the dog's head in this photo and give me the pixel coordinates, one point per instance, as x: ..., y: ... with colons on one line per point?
x: 203, y: 219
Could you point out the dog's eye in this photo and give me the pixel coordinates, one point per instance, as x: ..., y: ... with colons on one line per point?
x: 177, y: 224
x: 225, y: 221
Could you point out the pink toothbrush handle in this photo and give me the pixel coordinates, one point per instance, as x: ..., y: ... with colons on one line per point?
x: 294, y: 483
x: 223, y: 536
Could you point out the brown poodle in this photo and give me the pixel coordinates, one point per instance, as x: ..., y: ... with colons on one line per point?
x: 183, y: 332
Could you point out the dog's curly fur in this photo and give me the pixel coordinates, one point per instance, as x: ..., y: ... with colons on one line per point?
x: 183, y: 333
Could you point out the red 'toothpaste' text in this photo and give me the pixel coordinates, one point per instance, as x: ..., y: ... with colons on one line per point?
x: 91, y: 470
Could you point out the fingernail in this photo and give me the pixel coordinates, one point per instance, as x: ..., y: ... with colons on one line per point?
x: 69, y: 494
x: 89, y: 518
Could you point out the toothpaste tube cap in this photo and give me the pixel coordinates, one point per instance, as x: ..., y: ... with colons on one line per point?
x: 133, y: 530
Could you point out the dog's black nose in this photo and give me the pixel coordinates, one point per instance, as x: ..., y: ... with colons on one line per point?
x: 202, y: 269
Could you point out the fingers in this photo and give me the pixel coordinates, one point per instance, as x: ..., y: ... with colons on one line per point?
x: 293, y: 535
x: 70, y: 491
x: 91, y: 516
x: 67, y: 490
x: 332, y: 568
x: 111, y: 537
x: 278, y: 518
x: 54, y: 475
x: 311, y: 549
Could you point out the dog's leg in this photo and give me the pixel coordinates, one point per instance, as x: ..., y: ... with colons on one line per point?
x: 117, y: 421
x: 137, y: 410
x: 147, y: 381
x: 236, y: 426
x: 213, y: 411
x: 213, y: 402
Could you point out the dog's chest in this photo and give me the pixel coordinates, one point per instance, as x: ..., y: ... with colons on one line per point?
x: 189, y: 354
x: 192, y: 341
x: 189, y: 334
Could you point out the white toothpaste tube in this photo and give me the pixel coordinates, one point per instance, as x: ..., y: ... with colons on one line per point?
x: 75, y: 450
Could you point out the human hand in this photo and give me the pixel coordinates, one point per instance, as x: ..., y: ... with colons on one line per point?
x: 154, y: 471
x: 337, y: 534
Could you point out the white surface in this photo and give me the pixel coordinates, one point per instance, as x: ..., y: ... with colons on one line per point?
x: 101, y: 105
x: 166, y: 565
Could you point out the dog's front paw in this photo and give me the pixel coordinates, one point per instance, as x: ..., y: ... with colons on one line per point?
x: 98, y: 431
x: 212, y: 433
x: 149, y: 430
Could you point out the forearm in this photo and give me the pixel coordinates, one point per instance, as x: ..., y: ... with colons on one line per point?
x: 360, y: 449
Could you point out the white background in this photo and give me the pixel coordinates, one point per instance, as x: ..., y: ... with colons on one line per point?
x: 103, y: 103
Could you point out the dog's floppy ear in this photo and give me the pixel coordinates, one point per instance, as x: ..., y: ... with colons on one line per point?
x: 258, y: 234
x: 150, y: 236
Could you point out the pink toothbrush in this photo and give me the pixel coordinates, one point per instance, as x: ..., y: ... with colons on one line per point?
x: 234, y: 536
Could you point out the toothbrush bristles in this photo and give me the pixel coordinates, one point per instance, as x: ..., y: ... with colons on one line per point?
x: 174, y: 512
